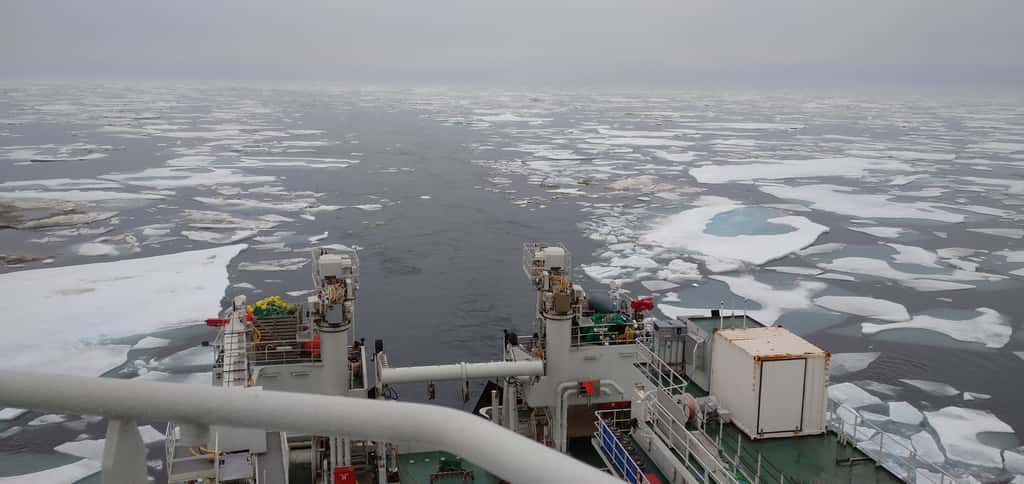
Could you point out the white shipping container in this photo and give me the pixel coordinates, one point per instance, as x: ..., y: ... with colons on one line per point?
x: 773, y: 382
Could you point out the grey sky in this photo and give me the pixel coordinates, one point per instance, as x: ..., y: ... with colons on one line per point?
x: 523, y: 40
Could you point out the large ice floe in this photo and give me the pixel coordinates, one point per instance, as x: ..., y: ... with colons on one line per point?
x: 782, y: 169
x: 864, y: 306
x: 845, y: 201
x: 61, y: 316
x: 774, y: 300
x: 988, y: 328
x: 694, y: 230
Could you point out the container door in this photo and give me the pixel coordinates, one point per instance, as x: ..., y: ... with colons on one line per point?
x: 781, y: 401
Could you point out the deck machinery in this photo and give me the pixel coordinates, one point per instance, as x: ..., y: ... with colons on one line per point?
x: 711, y: 398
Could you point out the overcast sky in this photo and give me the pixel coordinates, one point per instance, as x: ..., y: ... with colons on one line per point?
x: 538, y: 41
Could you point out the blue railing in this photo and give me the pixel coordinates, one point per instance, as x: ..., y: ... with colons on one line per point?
x: 620, y: 459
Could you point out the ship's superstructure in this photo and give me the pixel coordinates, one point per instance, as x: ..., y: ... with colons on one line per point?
x: 710, y: 398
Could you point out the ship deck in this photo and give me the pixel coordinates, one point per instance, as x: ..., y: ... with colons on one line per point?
x: 426, y: 468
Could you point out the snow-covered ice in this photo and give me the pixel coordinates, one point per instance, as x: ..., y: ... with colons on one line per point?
x: 11, y: 413
x: 47, y: 419
x: 844, y: 363
x: 843, y: 200
x: 782, y: 169
x: 905, y: 413
x: 167, y: 290
x: 774, y: 301
x: 865, y: 306
x: 273, y: 265
x: 958, y: 430
x: 935, y: 388
x: 851, y: 395
x: 687, y: 231
x: 988, y: 328
x: 65, y: 474
x: 658, y: 285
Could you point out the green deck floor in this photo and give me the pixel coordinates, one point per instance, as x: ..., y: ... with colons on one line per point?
x: 416, y: 468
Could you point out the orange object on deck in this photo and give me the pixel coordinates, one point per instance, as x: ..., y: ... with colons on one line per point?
x: 217, y: 322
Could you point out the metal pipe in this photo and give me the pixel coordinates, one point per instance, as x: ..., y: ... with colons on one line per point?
x: 461, y: 371
x: 460, y: 433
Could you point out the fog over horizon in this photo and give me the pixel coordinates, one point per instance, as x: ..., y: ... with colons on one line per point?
x: 527, y: 42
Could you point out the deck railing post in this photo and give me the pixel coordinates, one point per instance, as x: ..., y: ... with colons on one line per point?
x: 757, y: 475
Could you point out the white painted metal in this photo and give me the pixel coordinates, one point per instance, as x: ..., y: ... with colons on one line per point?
x: 769, y: 406
x: 477, y: 440
x: 124, y: 454
x: 461, y: 371
x: 781, y: 386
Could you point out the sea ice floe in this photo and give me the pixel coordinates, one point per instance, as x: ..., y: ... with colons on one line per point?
x: 843, y: 200
x: 250, y: 204
x: 11, y: 413
x: 783, y: 169
x: 273, y: 265
x: 905, y: 413
x: 179, y: 177
x: 184, y: 360
x: 658, y: 285
x: 864, y: 306
x: 679, y: 270
x: 908, y: 254
x: 844, y: 363
x: 643, y: 183
x: 774, y: 301
x: 1001, y: 232
x: 150, y: 342
x: 958, y: 430
x: 804, y: 271
x: 883, y: 232
x: 936, y: 281
x: 639, y: 141
x: 205, y: 219
x: 77, y: 195
x: 822, y: 249
x: 681, y: 157
x: 63, y: 184
x: 67, y: 220
x: 47, y: 420
x: 65, y: 474
x: 688, y: 230
x: 997, y: 147
x: 935, y: 388
x: 976, y: 396
x: 851, y: 395
x: 218, y: 237
x: 989, y: 328
x: 168, y: 290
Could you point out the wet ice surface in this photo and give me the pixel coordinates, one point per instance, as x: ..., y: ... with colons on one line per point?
x: 884, y: 229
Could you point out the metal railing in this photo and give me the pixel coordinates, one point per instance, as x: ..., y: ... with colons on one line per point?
x: 609, y: 423
x: 477, y: 440
x: 754, y: 466
x: 172, y: 441
x: 661, y: 374
x: 689, y: 448
x: 851, y: 426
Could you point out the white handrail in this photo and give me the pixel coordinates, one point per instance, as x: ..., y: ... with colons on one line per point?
x: 485, y: 444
